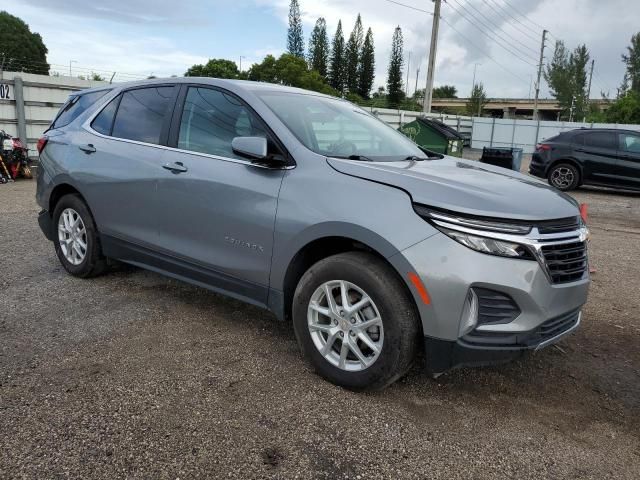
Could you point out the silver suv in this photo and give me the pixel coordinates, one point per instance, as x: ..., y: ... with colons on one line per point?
x: 308, y: 206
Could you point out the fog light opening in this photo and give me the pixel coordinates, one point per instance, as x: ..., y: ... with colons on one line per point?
x: 469, y: 318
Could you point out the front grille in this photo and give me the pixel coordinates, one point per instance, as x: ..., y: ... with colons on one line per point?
x: 495, y: 307
x: 566, y: 262
x: 570, y: 224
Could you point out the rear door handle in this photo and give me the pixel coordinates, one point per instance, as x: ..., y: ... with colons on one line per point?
x: 176, y: 167
x: 88, y: 148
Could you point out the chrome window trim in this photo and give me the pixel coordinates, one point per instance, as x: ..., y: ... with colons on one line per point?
x: 87, y: 126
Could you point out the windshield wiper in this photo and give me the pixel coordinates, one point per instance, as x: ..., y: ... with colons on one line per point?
x: 354, y: 157
x: 416, y: 158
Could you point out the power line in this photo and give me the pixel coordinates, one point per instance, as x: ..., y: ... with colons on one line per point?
x: 483, y: 32
x: 409, y: 6
x: 499, y: 27
x: 506, y: 15
x: 528, y: 19
x: 473, y: 44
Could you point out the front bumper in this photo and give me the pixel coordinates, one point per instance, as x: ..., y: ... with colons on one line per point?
x: 449, y: 270
x: 471, y: 351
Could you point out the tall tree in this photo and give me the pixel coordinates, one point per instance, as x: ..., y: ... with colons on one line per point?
x: 354, y: 47
x: 567, y: 79
x: 477, y: 100
x: 20, y: 49
x: 632, y: 61
x: 445, y: 91
x: 395, y: 92
x: 319, y: 48
x: 337, y: 73
x: 295, y: 40
x: 366, y: 72
x: 289, y: 70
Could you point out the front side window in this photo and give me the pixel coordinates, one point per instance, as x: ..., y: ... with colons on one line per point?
x: 630, y: 143
x: 75, y: 106
x: 337, y: 128
x: 600, y: 140
x: 211, y: 119
x: 142, y: 113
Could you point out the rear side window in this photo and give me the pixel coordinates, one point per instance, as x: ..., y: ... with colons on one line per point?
x: 75, y: 106
x: 600, y: 140
x: 141, y: 114
x: 104, y: 121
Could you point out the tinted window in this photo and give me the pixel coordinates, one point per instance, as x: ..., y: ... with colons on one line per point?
x: 578, y: 139
x: 211, y: 119
x: 141, y: 114
x: 75, y: 106
x: 601, y: 140
x: 630, y: 142
x: 103, y: 122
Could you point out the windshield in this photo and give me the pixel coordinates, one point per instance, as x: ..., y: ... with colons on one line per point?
x: 337, y: 128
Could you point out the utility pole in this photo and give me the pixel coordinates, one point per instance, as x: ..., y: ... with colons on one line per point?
x: 475, y: 65
x: 416, y: 89
x: 535, y: 101
x: 408, y: 68
x: 241, y: 57
x: 590, y: 77
x: 70, y: 62
x: 428, y: 93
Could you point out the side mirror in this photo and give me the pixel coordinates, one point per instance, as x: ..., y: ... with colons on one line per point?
x: 254, y: 148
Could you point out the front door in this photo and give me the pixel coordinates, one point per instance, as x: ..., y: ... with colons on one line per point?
x: 218, y: 213
x: 629, y: 160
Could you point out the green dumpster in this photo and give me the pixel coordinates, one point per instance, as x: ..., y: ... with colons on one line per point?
x: 435, y: 136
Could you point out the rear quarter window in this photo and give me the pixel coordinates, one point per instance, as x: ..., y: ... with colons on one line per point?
x: 75, y: 106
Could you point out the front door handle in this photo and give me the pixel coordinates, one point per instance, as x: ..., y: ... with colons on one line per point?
x: 176, y: 167
x: 88, y: 148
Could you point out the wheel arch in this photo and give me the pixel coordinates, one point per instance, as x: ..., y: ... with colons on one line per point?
x: 326, y: 246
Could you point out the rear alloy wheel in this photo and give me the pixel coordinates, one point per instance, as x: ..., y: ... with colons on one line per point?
x: 77, y: 242
x: 564, y: 176
x: 355, y: 322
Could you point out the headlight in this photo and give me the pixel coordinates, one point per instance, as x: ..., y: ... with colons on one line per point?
x: 479, y: 233
x: 488, y: 245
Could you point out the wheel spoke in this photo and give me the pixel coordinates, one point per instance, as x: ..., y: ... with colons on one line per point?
x: 319, y: 327
x: 321, y: 310
x: 344, y: 351
x: 330, y: 341
x: 370, y: 323
x: 368, y: 342
x: 358, y: 353
x: 360, y: 304
x: 331, y: 301
x: 344, y: 294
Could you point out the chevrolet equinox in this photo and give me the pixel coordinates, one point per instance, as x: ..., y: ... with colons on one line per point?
x: 306, y: 205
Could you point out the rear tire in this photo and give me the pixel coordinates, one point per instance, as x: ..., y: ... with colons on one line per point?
x: 76, y: 238
x: 381, y: 335
x: 564, y: 176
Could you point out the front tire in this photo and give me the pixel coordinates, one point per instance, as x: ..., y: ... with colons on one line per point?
x: 564, y: 176
x: 76, y: 238
x: 355, y: 322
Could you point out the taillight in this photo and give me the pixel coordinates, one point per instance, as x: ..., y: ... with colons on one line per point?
x: 42, y: 142
x: 541, y: 147
x: 583, y: 212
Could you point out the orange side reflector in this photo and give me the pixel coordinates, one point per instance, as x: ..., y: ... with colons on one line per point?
x: 415, y: 279
x: 583, y: 212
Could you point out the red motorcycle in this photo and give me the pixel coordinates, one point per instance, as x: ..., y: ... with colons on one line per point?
x: 14, y: 158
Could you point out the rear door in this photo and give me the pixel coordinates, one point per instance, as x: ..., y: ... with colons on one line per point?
x: 629, y: 160
x: 598, y: 156
x: 218, y: 213
x: 122, y: 153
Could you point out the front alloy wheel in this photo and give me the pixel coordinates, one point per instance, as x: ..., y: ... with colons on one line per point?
x: 72, y: 236
x: 345, y: 325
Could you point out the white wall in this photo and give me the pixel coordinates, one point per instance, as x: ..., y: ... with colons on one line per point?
x: 498, y: 132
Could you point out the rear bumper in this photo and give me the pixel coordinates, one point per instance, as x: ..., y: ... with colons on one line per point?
x: 471, y: 351
x: 44, y: 220
x: 538, y: 166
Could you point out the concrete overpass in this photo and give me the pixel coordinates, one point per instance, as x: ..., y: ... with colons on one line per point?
x: 511, y: 107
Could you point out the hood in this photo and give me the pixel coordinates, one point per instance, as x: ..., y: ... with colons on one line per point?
x: 467, y: 187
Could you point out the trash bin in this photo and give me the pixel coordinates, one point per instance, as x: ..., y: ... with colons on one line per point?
x: 435, y: 136
x: 510, y: 158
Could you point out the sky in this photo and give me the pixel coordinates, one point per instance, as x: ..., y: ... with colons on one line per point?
x: 501, y: 41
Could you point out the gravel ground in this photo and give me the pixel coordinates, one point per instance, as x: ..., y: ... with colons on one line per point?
x: 135, y: 375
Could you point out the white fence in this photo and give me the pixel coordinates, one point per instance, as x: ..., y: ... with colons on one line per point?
x: 28, y: 102
x: 525, y: 134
